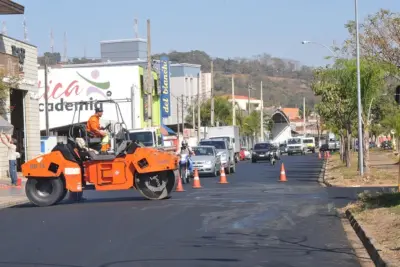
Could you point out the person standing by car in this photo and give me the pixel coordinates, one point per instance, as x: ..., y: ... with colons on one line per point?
x: 12, y: 156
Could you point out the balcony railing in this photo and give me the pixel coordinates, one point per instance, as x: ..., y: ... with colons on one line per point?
x: 9, y: 65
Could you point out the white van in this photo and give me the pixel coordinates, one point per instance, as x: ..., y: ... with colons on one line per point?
x: 295, y: 145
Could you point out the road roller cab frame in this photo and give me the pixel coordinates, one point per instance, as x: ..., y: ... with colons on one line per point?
x: 76, y: 167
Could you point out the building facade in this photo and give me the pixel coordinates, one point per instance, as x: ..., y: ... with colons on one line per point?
x: 184, y: 84
x: 19, y: 59
x: 205, y: 89
x: 123, y: 50
x: 118, y: 81
x: 242, y: 102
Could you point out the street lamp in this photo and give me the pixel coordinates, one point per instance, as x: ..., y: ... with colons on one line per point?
x: 327, y: 47
x: 360, y: 137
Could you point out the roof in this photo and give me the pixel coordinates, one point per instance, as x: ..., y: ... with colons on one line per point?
x: 240, y: 97
x: 8, y: 7
x: 292, y: 113
x: 123, y: 41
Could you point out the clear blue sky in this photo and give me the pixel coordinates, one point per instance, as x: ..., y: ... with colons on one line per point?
x: 223, y: 28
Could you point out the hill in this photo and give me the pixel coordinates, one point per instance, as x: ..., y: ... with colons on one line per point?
x: 284, y: 83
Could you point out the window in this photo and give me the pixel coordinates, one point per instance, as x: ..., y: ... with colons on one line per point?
x: 146, y: 138
x: 155, y: 86
x: 216, y: 144
x: 203, y: 151
x: 141, y: 83
x: 308, y: 141
x: 294, y: 141
x: 262, y: 146
x: 160, y: 143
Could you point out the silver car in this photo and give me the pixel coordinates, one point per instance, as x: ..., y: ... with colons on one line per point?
x: 206, y: 160
x: 224, y: 151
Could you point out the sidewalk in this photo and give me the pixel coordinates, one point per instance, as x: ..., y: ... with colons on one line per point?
x: 383, y: 165
x: 11, y: 195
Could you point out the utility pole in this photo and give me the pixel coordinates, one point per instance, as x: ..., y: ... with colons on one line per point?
x: 198, y: 107
x: 46, y: 109
x: 149, y: 78
x: 262, y: 113
x: 212, y: 93
x: 183, y: 115
x: 177, y: 116
x: 248, y: 101
x: 304, y: 116
x: 193, y: 104
x: 233, y: 101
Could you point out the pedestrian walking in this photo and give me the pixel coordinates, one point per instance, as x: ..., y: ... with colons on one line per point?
x: 13, y: 155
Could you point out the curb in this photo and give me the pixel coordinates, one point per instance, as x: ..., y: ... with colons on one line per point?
x: 372, y: 251
x: 13, y: 203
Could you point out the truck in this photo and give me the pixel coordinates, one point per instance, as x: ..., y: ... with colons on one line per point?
x: 230, y: 134
x: 152, y: 137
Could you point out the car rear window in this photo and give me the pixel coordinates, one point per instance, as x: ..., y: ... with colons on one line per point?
x: 262, y: 146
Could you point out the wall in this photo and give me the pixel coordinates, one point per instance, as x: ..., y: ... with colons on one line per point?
x: 28, y: 83
x: 156, y: 108
x: 186, y: 86
x: 281, y: 132
x: 205, y: 90
x: 123, y: 50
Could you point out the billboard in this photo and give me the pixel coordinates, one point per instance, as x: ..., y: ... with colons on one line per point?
x: 68, y: 86
x: 165, y: 87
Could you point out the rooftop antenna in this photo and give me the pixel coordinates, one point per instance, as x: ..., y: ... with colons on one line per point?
x: 4, y: 28
x: 25, y: 31
x: 51, y: 41
x: 65, y: 47
x: 136, y: 28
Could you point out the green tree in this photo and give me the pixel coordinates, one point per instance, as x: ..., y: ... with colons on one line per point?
x: 222, y: 112
x: 377, y: 37
x: 335, y: 88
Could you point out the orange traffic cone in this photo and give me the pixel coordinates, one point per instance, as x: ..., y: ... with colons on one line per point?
x: 19, y: 181
x: 179, y: 187
x: 282, y: 177
x: 196, y: 180
x: 222, y: 179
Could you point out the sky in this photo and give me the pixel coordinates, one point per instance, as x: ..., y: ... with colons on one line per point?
x: 222, y: 28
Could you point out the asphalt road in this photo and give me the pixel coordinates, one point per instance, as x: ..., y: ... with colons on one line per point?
x: 252, y: 221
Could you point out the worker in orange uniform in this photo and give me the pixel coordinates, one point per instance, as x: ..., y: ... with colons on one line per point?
x: 93, y: 127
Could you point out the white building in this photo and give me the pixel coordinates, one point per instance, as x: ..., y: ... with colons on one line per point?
x: 242, y: 102
x: 184, y: 90
x: 205, y: 89
x: 21, y: 109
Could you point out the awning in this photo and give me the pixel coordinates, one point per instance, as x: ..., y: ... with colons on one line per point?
x: 5, y: 126
x: 165, y: 130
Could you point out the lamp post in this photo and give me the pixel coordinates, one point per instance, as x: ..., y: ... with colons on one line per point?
x: 359, y: 107
x: 327, y: 47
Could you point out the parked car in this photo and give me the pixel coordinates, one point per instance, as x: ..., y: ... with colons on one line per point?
x: 265, y: 151
x: 224, y: 151
x: 206, y: 160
